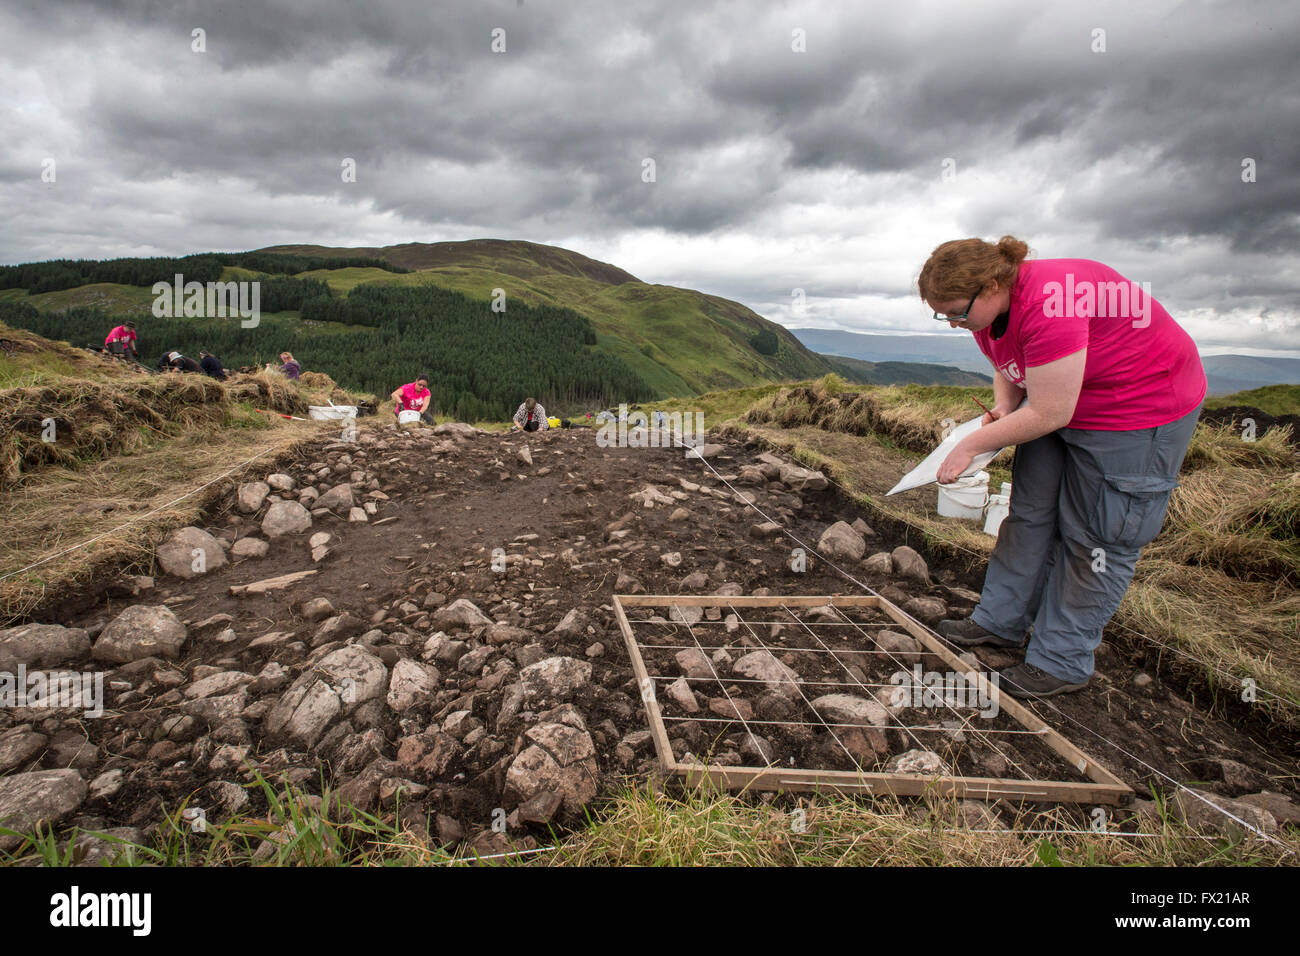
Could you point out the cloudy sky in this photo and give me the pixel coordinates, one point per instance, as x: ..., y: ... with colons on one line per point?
x: 818, y: 146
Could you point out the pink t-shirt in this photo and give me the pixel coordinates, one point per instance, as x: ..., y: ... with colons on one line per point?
x: 411, y: 394
x: 1142, y: 369
x: 120, y: 334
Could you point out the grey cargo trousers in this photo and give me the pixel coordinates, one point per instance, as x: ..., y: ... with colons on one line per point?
x: 1083, y: 504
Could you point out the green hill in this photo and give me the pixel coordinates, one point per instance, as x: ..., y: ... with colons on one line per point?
x: 679, y: 341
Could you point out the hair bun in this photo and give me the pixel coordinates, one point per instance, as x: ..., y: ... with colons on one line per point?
x: 1012, y: 249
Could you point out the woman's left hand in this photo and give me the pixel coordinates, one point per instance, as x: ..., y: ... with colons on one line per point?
x: 958, y: 460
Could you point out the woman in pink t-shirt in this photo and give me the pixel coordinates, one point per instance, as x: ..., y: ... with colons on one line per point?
x: 1100, y: 390
x: 414, y: 396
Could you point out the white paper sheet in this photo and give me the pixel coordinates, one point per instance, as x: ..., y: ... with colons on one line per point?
x: 928, y: 470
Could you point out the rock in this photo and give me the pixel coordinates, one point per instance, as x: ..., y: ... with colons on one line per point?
x: 140, y: 631
x: 541, y: 808
x: 688, y: 614
x: 317, y: 609
x: 879, y: 563
x: 679, y: 514
x: 457, y: 430
x: 776, y: 677
x: 559, y: 759
x: 339, y: 498
x: 18, y: 746
x: 357, y: 516
x: 339, y: 683
x: 680, y: 693
x: 460, y: 613
x: 1191, y: 809
x: 917, y: 761
x: 251, y: 495
x: 507, y: 634
x: 249, y: 548
x: 766, y: 529
x: 904, y: 647
x: 672, y: 559
x: 41, y: 797
x: 909, y: 564
x: 285, y: 517
x: 554, y: 678
x: 705, y: 451
x: 862, y: 528
x: 411, y: 683
x: 107, y: 784
x: 1282, y: 807
x: 177, y: 554
x: 695, y: 581
x: 524, y: 455
x: 41, y: 645
x: 694, y: 663
x: 281, y: 482
x: 337, y: 628
x: 735, y: 708
x: 1141, y: 680
x: 850, y: 709
x: 800, y: 480
x: 473, y: 661
x: 840, y: 542
x: 929, y: 610
x: 572, y: 627
x: 757, y: 751
x: 219, y: 683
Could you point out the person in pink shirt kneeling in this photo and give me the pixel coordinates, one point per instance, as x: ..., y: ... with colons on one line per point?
x: 1100, y: 390
x: 414, y: 396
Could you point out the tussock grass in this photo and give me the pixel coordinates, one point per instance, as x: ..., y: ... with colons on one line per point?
x: 1241, y: 521
x: 91, y: 420
x: 1223, y: 446
x: 641, y: 827
x: 646, y: 826
x: 911, y: 416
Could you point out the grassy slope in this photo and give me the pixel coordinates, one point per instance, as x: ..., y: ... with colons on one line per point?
x: 681, y: 341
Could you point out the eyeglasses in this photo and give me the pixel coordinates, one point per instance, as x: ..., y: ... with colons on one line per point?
x: 958, y: 318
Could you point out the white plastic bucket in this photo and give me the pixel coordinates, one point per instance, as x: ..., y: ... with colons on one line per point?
x: 332, y: 413
x: 999, y: 506
x: 408, y: 416
x: 965, y: 497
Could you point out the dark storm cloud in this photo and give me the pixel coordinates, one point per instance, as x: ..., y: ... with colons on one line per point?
x: 167, y: 150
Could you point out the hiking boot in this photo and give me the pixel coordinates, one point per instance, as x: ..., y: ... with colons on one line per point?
x: 969, y: 634
x: 1026, y: 680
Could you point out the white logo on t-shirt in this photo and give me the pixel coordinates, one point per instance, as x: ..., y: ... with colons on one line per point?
x: 1012, y: 371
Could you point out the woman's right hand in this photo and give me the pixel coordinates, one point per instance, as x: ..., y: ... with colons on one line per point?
x: 993, y: 414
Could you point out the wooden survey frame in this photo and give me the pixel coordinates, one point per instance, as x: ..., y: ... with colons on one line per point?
x: 1105, y: 788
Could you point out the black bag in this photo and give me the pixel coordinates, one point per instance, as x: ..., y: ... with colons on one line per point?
x: 565, y: 423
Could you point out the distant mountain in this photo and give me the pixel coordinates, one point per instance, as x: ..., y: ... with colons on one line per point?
x: 953, y: 350
x: 1226, y: 373
x: 905, y: 373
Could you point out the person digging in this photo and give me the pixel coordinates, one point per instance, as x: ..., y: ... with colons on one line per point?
x: 1114, y: 388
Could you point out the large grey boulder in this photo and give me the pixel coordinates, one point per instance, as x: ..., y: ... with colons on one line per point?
x: 840, y: 542
x: 190, y: 552
x: 338, y: 498
x: 141, y: 630
x: 41, y: 645
x: 251, y: 496
x: 337, y: 685
x: 42, y: 797
x: 285, y: 517
x: 559, y: 759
